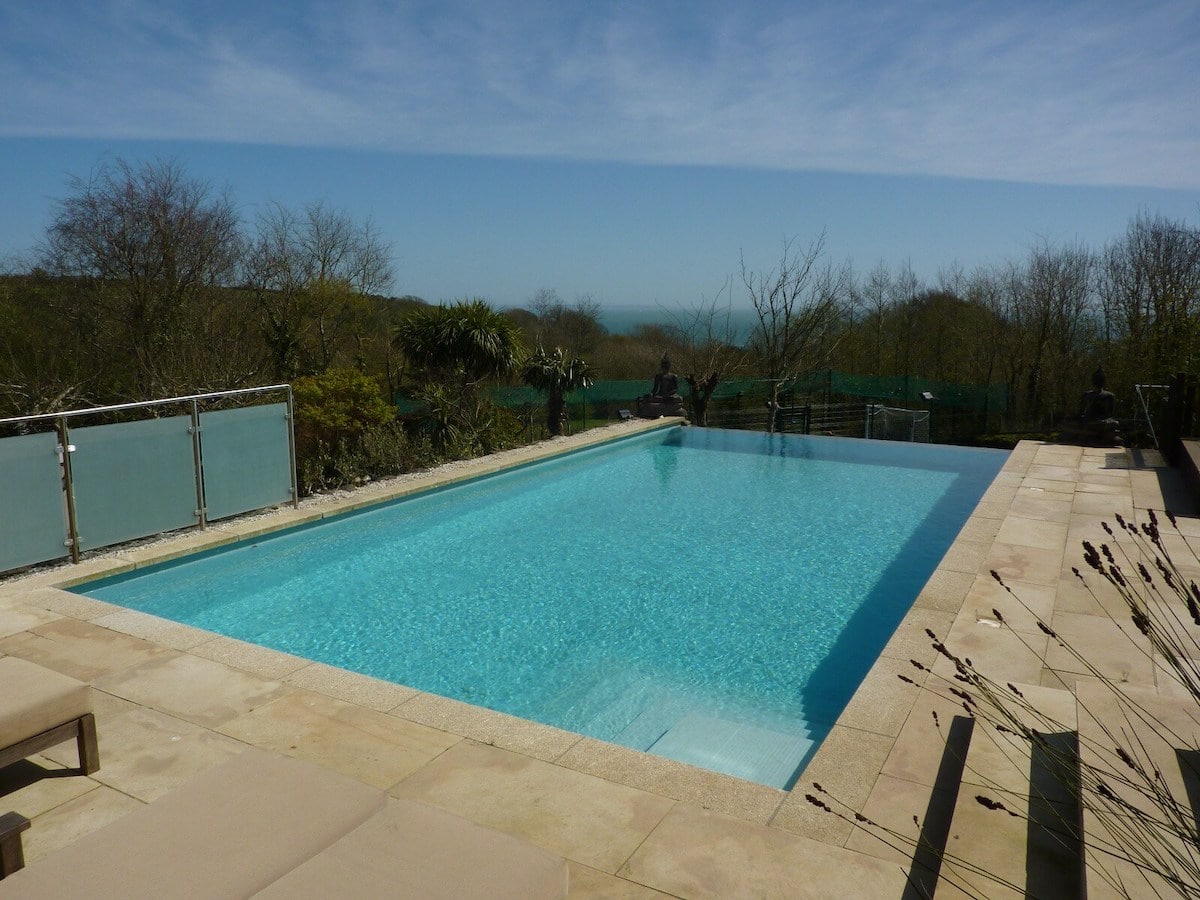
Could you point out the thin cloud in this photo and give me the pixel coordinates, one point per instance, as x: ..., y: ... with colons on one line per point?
x: 1058, y: 93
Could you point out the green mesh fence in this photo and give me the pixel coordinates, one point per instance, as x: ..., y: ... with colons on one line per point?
x: 599, y: 392
x: 895, y: 390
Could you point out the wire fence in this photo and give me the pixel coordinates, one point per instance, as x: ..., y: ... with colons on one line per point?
x: 823, y: 402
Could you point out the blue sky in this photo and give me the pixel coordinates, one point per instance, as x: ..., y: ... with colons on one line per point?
x: 631, y: 151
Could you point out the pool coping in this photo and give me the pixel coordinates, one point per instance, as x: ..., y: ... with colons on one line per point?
x: 855, y: 754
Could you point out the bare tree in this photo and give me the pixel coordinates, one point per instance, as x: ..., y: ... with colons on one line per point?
x: 1059, y: 293
x: 796, y: 305
x: 576, y: 328
x: 904, y: 288
x: 1150, y: 290
x: 708, y: 345
x: 310, y: 272
x: 984, y: 291
x: 876, y: 296
x: 142, y: 244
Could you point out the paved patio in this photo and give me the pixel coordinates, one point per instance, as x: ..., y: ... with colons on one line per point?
x: 173, y: 701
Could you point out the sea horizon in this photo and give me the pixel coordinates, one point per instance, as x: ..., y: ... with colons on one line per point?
x: 626, y: 319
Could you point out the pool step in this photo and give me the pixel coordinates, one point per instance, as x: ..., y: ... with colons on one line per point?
x: 736, y: 748
x: 675, y: 721
x: 604, y: 704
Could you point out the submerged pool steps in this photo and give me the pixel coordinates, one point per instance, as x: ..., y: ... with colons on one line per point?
x: 736, y: 748
x: 648, y: 713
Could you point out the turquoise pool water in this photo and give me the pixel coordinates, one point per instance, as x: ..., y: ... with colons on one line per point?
x: 712, y: 596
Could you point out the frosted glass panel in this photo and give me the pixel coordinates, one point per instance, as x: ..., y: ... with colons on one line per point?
x: 133, y: 479
x: 247, y: 463
x: 33, y: 516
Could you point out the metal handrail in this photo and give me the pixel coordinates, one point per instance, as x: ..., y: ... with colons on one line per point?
x: 1146, y: 410
x: 142, y: 404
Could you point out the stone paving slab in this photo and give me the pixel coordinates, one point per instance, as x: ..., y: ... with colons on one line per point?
x: 582, y: 817
x: 192, y: 688
x: 371, y: 746
x: 80, y: 649
x: 696, y: 853
x: 488, y: 727
x: 146, y: 754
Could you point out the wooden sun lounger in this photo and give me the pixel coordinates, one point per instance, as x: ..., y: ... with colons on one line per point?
x: 40, y: 708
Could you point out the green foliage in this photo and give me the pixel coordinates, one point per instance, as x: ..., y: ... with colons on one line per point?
x: 466, y: 341
x: 454, y: 349
x: 340, y: 402
x: 346, y: 431
x: 459, y: 430
x: 379, y: 451
x: 555, y: 375
x: 149, y: 284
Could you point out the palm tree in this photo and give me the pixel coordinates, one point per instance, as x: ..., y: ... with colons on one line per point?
x: 454, y: 348
x: 463, y: 343
x: 555, y: 376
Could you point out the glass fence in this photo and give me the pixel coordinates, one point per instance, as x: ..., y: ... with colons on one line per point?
x: 70, y: 488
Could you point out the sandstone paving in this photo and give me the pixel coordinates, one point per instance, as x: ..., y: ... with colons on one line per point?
x: 371, y: 746
x: 81, y: 649
x: 153, y: 628
x: 350, y: 686
x: 65, y: 603
x: 488, y: 727
x: 702, y: 854
x: 1015, y: 562
x: 675, y: 780
x: 273, y: 665
x: 847, y: 766
x: 195, y: 689
x: 146, y: 754
x: 16, y: 618
x: 39, y: 784
x: 1021, y: 605
x: 587, y: 883
x: 911, y: 638
x: 582, y: 817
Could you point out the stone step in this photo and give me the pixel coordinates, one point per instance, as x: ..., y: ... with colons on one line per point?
x: 1159, y: 733
x: 1023, y: 839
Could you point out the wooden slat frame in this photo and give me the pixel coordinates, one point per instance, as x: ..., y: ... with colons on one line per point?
x: 83, y: 730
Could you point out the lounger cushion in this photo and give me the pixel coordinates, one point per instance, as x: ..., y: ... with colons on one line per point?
x: 227, y: 833
x: 34, y: 699
x: 414, y: 850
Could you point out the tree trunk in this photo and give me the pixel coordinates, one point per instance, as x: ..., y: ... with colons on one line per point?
x: 773, y: 407
x: 555, y: 407
x: 702, y: 390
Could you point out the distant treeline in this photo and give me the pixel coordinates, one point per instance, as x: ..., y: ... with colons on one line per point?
x: 148, y: 284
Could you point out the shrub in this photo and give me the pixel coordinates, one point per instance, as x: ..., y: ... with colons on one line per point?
x: 462, y: 427
x: 346, y: 432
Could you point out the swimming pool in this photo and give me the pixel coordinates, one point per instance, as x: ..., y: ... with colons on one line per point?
x: 711, y: 596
